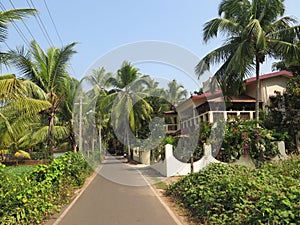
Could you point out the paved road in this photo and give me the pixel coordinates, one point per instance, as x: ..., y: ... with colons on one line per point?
x: 106, y: 202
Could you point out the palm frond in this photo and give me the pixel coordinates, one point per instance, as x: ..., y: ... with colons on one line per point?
x: 8, y: 16
x: 219, y: 25
x: 10, y: 87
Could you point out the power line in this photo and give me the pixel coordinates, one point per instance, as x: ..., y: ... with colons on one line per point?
x: 41, y: 24
x: 53, y: 22
x: 23, y: 21
x: 6, y: 45
x: 57, y: 33
x: 19, y: 31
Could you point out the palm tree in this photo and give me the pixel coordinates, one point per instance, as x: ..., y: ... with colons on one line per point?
x: 130, y: 107
x: 98, y: 96
x: 253, y: 30
x: 48, y: 70
x: 175, y: 92
x: 65, y: 113
x: 289, y: 64
x: 19, y: 111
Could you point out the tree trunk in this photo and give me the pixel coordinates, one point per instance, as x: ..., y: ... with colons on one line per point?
x: 100, y: 143
x: 50, y: 132
x: 257, y: 96
x: 51, y: 124
x: 129, y: 153
x: 72, y: 137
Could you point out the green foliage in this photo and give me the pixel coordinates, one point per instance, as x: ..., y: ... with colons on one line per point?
x: 229, y: 194
x: 284, y: 113
x: 159, y: 152
x: 20, y: 170
x: 243, y: 137
x: 29, y: 198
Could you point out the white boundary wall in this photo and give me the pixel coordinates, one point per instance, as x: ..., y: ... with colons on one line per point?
x: 173, y: 167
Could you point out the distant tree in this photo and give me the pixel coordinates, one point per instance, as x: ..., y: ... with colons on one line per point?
x: 130, y: 101
x: 175, y: 92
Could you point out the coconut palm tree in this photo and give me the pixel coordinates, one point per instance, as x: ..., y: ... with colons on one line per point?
x: 292, y: 65
x: 253, y: 30
x: 175, y: 92
x: 130, y: 106
x: 98, y: 96
x: 48, y: 70
x: 19, y: 111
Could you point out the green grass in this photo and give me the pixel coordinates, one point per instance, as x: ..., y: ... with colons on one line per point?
x: 20, y: 170
x: 161, y: 185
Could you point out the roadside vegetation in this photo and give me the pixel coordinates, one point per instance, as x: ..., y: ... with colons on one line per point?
x: 231, y: 194
x: 30, y: 194
x: 37, y: 120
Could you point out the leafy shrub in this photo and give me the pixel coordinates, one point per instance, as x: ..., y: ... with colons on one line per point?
x: 241, y: 137
x: 245, y: 137
x: 230, y: 194
x: 30, y: 198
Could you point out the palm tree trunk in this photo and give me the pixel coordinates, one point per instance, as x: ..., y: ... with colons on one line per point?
x: 72, y: 136
x: 51, y: 123
x: 100, y: 142
x: 50, y: 131
x: 129, y: 153
x: 257, y: 65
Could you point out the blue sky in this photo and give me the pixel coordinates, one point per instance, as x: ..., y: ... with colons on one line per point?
x: 100, y: 26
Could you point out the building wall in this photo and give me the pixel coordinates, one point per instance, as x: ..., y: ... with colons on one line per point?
x: 250, y: 90
x: 267, y: 87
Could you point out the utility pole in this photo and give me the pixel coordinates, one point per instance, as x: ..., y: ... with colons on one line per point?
x: 80, y: 123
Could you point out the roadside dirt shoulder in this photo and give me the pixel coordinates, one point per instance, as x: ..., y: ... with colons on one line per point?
x: 180, y: 212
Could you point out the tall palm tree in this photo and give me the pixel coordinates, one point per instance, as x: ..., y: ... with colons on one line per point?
x: 253, y: 30
x: 65, y: 113
x: 99, y: 79
x: 48, y: 70
x: 130, y: 105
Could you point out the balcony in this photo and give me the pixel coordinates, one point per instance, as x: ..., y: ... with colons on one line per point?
x: 213, y: 116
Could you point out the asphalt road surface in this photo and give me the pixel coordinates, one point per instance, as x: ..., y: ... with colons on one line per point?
x: 120, y: 195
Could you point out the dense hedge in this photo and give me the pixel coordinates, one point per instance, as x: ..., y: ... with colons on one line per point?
x: 31, y: 198
x: 230, y: 194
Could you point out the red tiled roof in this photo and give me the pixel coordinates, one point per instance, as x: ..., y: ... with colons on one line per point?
x: 218, y: 95
x: 270, y: 75
x: 207, y: 95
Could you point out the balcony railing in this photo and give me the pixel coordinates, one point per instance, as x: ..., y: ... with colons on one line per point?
x: 211, y: 117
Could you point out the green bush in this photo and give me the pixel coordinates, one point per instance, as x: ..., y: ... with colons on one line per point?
x: 31, y: 198
x: 230, y: 194
x: 238, y: 137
